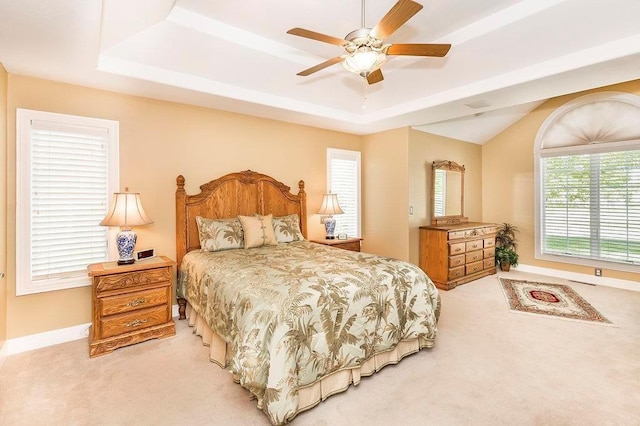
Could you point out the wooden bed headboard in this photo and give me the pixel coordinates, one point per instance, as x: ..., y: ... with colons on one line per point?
x: 244, y: 193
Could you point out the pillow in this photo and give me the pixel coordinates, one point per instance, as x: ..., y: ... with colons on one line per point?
x: 258, y: 231
x: 287, y: 228
x: 219, y: 234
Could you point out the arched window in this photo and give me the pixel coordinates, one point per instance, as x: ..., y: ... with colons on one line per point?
x: 587, y: 156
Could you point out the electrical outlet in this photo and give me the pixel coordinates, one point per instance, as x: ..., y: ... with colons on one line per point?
x: 598, y: 272
x: 410, y: 210
x: 323, y: 219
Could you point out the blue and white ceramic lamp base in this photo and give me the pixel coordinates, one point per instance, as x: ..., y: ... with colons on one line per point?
x: 126, y: 242
x: 330, y: 227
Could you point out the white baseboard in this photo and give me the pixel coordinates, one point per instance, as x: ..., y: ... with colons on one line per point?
x: 584, y: 278
x: 50, y: 338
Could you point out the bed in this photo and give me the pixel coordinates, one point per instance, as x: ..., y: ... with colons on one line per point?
x: 293, y: 321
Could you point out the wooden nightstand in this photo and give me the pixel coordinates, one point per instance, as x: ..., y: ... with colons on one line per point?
x: 130, y: 303
x: 352, y: 244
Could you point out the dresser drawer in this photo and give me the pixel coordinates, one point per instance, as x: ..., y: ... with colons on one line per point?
x: 474, y: 256
x: 474, y: 267
x: 125, y: 323
x: 457, y: 248
x: 132, y: 301
x: 456, y: 235
x: 456, y: 260
x: 489, y: 242
x: 456, y: 272
x: 473, y: 245
x: 132, y: 279
x: 489, y: 252
x: 488, y: 263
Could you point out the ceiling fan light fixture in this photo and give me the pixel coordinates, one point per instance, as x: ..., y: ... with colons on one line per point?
x: 364, y: 60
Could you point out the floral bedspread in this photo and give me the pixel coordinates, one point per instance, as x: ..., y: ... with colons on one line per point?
x: 296, y: 312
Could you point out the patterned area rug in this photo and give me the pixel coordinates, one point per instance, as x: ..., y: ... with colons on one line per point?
x: 556, y: 300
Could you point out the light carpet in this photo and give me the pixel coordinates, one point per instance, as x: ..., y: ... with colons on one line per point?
x: 551, y: 300
x: 488, y: 367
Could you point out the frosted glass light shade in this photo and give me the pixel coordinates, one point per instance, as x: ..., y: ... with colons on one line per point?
x: 364, y: 60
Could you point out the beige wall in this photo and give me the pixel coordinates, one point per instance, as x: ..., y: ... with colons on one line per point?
x: 158, y: 141
x: 385, y: 193
x: 3, y: 205
x: 508, y: 180
x: 424, y: 149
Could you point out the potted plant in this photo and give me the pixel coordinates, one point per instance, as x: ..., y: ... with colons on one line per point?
x: 506, y: 245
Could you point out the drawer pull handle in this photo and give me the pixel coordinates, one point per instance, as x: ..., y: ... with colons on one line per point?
x: 136, y: 323
x: 457, y: 249
x: 137, y: 302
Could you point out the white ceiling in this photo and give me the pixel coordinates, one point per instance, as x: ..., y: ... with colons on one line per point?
x: 507, y: 56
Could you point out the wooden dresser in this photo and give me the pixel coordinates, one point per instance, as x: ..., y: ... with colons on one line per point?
x: 130, y: 303
x: 456, y: 254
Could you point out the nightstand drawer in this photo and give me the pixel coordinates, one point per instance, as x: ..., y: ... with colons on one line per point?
x: 132, y: 279
x: 125, y: 323
x: 132, y: 301
x: 353, y: 246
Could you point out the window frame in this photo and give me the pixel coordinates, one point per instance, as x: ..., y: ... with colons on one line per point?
x: 24, y: 284
x: 335, y: 153
x: 539, y: 219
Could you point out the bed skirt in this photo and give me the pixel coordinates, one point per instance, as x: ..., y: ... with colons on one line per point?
x: 312, y: 394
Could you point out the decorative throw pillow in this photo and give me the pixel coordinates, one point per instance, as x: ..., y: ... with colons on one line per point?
x: 258, y: 231
x: 287, y: 228
x: 219, y: 234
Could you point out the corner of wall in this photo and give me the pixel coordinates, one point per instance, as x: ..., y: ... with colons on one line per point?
x: 3, y: 209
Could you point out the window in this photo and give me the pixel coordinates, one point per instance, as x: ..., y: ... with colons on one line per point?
x: 588, y: 182
x: 343, y: 179
x: 591, y: 204
x: 67, y: 169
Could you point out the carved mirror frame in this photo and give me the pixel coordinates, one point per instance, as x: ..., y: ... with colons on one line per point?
x: 450, y: 166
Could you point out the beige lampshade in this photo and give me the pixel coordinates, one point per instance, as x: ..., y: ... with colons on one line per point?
x: 126, y: 210
x: 330, y: 205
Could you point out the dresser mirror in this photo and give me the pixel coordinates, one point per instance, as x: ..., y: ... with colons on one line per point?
x: 447, y: 193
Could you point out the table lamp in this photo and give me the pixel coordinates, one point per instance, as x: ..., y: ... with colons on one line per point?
x: 328, y: 208
x: 126, y: 211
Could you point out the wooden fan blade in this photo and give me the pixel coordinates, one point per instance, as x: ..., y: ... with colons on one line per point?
x: 321, y: 66
x: 400, y: 13
x: 375, y: 77
x: 301, y: 32
x: 438, y: 50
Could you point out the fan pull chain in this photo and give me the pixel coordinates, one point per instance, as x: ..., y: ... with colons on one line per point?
x: 364, y: 93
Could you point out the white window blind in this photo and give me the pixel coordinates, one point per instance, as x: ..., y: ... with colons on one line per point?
x: 591, y: 205
x: 66, y: 178
x: 344, y: 181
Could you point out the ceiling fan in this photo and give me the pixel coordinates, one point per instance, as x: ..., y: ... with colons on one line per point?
x: 365, y: 47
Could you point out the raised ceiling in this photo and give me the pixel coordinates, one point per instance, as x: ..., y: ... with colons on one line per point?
x: 507, y: 57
